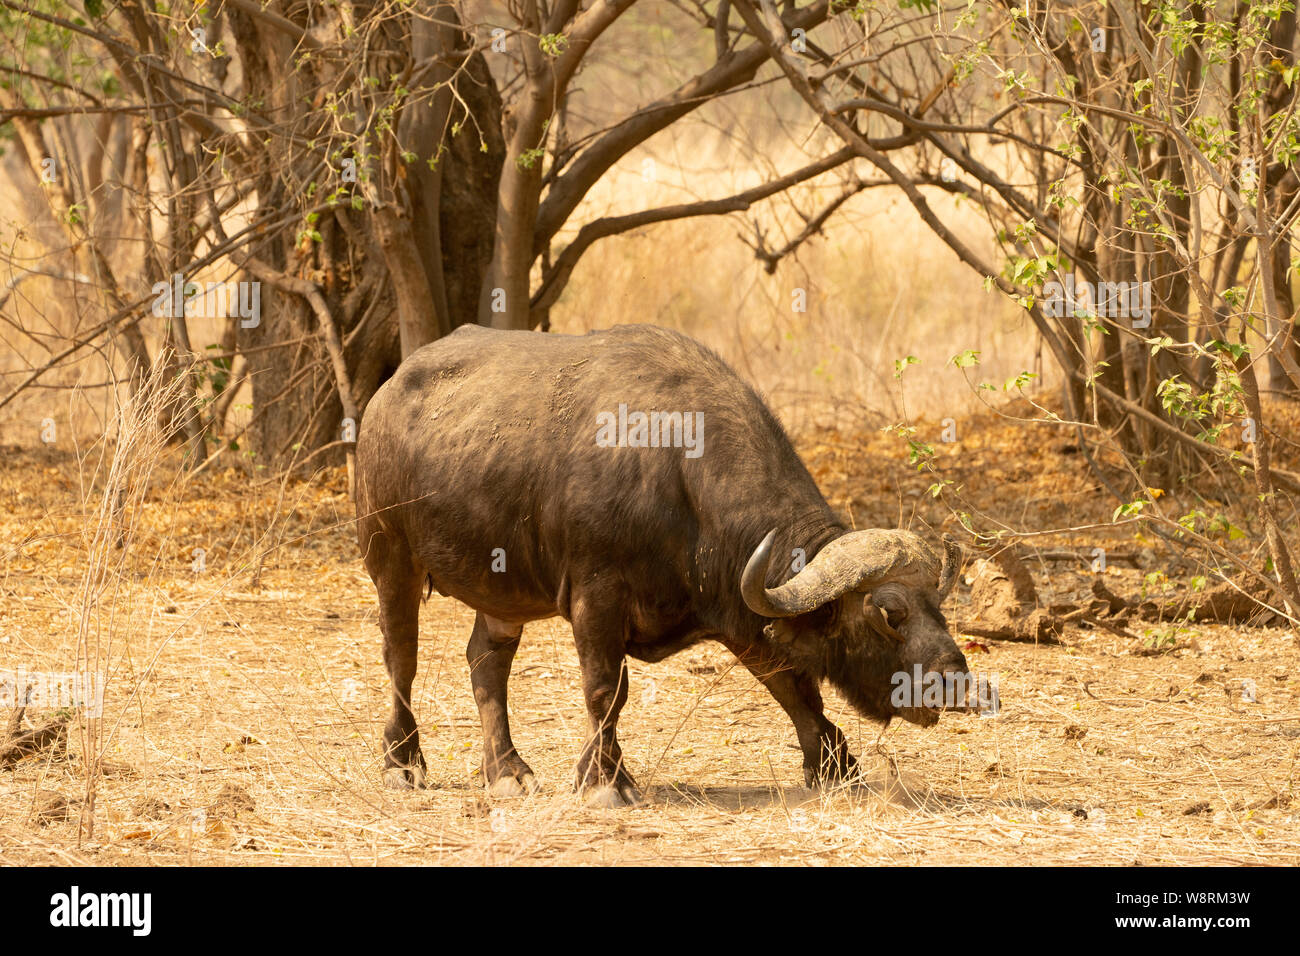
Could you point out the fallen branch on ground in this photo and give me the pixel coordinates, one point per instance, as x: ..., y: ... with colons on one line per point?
x: 19, y: 743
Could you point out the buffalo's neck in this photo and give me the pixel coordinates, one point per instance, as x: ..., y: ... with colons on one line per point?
x: 807, y: 534
x: 803, y: 528
x: 753, y: 483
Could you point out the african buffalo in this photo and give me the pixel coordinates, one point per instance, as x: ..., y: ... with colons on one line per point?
x: 629, y: 481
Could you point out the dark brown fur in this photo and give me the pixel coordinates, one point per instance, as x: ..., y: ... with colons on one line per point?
x: 486, y: 440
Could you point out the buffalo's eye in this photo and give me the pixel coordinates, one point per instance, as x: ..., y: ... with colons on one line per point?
x: 893, y: 606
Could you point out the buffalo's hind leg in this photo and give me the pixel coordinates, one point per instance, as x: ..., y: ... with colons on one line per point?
x: 398, y: 583
x: 601, y: 637
x: 490, y: 652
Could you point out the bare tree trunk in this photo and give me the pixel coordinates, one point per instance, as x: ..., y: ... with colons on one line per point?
x: 1265, y: 494
x: 400, y: 275
x: 417, y: 318
x: 505, y: 298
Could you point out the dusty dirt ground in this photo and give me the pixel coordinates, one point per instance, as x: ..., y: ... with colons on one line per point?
x: 243, y: 713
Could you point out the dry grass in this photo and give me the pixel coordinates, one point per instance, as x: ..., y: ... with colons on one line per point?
x: 242, y: 725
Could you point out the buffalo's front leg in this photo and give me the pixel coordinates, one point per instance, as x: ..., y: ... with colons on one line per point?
x: 397, y: 583
x: 601, y: 637
x: 491, y: 649
x: 826, y: 756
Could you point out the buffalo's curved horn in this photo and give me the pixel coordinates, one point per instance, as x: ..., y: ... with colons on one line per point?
x: 951, y: 565
x: 851, y: 562
x: 753, y: 580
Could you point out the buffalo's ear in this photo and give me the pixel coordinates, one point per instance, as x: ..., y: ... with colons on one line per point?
x: 878, y: 620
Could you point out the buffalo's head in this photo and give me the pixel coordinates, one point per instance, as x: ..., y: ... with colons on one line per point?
x: 864, y: 614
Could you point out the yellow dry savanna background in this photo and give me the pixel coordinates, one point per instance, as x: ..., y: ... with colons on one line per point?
x: 246, y: 693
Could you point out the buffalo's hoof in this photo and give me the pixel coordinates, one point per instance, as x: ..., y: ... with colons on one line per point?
x: 612, y: 796
x: 836, y: 768
x: 404, y: 778
x: 520, y: 784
